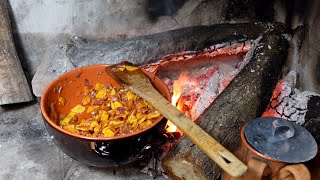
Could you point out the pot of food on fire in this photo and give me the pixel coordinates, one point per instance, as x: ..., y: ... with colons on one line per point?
x: 94, y: 120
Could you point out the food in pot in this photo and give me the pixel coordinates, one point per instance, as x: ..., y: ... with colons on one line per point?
x: 106, y: 111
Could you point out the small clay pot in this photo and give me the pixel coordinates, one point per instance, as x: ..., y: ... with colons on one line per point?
x: 101, y: 152
x: 263, y: 167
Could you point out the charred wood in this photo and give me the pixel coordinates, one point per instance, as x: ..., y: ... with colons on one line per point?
x: 312, y: 118
x: 245, y: 98
x: 14, y: 87
x: 150, y: 48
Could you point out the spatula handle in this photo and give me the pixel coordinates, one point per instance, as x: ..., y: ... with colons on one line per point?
x: 223, y: 157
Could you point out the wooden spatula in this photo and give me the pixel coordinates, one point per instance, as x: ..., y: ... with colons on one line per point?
x: 134, y: 79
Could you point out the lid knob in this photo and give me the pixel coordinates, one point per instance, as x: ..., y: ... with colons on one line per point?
x: 282, y: 130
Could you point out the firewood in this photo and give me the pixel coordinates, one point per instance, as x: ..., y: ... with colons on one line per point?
x: 14, y: 87
x: 245, y: 98
x: 143, y: 49
x: 151, y: 48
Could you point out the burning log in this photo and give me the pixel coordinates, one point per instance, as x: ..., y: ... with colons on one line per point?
x: 14, y: 87
x: 245, y: 98
x: 146, y: 49
x: 202, y: 75
x: 150, y: 48
x: 290, y: 103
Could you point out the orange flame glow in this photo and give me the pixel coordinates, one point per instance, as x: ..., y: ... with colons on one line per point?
x: 177, y: 91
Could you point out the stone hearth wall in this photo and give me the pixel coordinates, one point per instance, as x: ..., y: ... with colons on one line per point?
x: 40, y: 26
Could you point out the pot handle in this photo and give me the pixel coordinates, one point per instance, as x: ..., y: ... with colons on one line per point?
x: 256, y: 169
x: 294, y: 172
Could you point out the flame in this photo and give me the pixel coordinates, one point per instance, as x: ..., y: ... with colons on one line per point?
x: 177, y: 91
x: 178, y: 86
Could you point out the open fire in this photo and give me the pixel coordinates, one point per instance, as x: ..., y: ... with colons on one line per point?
x: 196, y: 68
x: 196, y: 84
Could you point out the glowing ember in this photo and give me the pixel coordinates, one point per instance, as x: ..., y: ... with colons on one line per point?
x: 178, y: 87
x: 202, y: 76
x: 195, y: 90
x: 171, y: 127
x: 177, y: 90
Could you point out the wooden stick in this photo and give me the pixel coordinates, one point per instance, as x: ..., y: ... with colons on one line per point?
x: 14, y: 87
x: 138, y: 83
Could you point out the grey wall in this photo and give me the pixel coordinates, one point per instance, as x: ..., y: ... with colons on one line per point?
x: 304, y: 17
x: 309, y: 57
x: 43, y: 26
x: 40, y: 25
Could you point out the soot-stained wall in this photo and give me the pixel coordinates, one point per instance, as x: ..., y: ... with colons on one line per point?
x: 41, y: 25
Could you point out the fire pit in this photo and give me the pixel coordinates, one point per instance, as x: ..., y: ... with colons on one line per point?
x: 219, y: 61
x: 236, y: 70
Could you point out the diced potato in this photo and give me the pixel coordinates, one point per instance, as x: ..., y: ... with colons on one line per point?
x: 140, y: 105
x: 93, y: 125
x: 86, y: 100
x: 121, y: 68
x: 78, y: 109
x: 143, y: 125
x: 131, y: 68
x: 116, y: 104
x: 145, y: 103
x: 98, y: 116
x: 104, y: 124
x: 148, y: 123
x: 113, y: 92
x: 82, y: 127
x: 116, y: 122
x: 97, y: 129
x: 62, y: 101
x: 153, y: 115
x: 139, y: 115
x: 104, y: 116
x: 130, y: 95
x: 126, y: 113
x: 142, y: 119
x: 70, y: 128
x: 110, y: 111
x: 98, y: 86
x: 132, y: 114
x: 107, y: 132
x: 133, y: 121
x: 90, y: 109
x: 101, y: 93
x: 67, y: 119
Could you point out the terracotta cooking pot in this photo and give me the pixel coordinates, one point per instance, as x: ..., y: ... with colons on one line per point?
x: 261, y: 166
x: 102, y: 152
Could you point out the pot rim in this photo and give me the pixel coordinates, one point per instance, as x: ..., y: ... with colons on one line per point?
x: 254, y: 151
x: 58, y: 128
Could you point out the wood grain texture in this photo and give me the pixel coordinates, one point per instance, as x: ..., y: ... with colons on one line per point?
x: 151, y: 48
x: 14, y: 87
x: 245, y: 98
